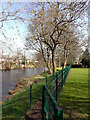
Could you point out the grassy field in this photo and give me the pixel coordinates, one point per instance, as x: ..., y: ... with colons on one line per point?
x: 74, y: 97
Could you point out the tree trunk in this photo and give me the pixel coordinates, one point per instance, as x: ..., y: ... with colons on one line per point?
x: 53, y: 62
x: 59, y: 61
x: 50, y: 70
x: 55, y: 65
x: 65, y: 58
x: 65, y: 62
x: 45, y: 59
x: 48, y: 65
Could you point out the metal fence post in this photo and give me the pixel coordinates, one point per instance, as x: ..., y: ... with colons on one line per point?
x: 56, y: 87
x: 46, y: 80
x: 43, y: 103
x: 59, y: 113
x: 53, y: 76
x: 30, y: 95
x: 62, y: 77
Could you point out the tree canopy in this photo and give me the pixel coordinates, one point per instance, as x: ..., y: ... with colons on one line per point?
x: 54, y: 25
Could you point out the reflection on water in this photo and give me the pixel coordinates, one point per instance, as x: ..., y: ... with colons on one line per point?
x: 10, y: 78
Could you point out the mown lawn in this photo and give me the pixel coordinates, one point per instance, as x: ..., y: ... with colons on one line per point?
x: 74, y: 97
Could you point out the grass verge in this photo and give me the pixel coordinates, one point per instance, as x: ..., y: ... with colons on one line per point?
x: 74, y: 97
x: 17, y: 106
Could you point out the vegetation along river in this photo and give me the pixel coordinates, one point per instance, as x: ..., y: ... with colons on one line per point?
x: 10, y: 78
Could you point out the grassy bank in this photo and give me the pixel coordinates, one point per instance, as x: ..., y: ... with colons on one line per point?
x: 17, y: 106
x: 74, y: 97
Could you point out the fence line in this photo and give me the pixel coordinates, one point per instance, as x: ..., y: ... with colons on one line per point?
x: 50, y: 108
x: 50, y: 94
x: 53, y: 87
x: 56, y: 81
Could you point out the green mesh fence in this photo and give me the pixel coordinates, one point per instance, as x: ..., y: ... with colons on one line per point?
x: 56, y: 81
x: 51, y: 91
x: 50, y: 108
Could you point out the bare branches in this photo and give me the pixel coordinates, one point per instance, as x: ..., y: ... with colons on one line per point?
x: 9, y: 4
x: 1, y: 25
x: 53, y: 24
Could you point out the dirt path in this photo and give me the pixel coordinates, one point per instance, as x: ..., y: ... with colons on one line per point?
x: 36, y: 112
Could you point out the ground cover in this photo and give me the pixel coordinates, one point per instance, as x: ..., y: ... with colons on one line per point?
x: 17, y: 106
x: 74, y: 97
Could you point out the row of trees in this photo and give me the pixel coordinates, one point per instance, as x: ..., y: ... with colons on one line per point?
x: 54, y: 31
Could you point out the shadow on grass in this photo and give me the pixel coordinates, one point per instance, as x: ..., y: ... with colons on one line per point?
x: 74, y: 97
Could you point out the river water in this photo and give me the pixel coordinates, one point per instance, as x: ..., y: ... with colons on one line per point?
x: 10, y: 78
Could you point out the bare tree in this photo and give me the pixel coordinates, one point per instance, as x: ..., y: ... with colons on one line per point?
x: 10, y: 14
x: 42, y: 50
x: 51, y: 20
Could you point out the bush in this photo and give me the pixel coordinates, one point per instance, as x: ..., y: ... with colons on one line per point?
x: 77, y: 66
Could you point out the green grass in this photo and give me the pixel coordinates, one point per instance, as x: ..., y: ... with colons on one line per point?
x: 18, y: 106
x: 74, y: 97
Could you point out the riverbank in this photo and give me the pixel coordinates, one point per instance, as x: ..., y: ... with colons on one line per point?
x: 14, y: 78
x: 18, y: 104
x: 24, y: 83
x: 16, y: 67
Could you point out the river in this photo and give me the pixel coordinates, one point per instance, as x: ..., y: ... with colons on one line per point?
x: 10, y: 78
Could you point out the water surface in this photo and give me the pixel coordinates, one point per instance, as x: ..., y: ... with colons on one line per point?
x: 10, y: 78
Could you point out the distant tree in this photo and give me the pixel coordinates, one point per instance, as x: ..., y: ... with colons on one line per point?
x: 23, y: 60
x: 39, y: 59
x: 85, y: 58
